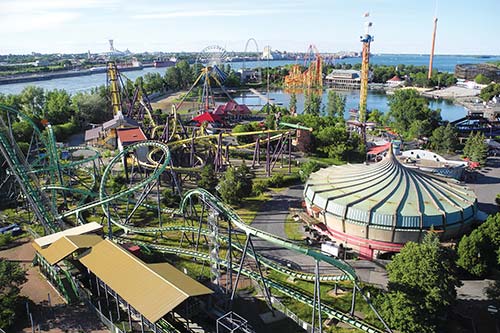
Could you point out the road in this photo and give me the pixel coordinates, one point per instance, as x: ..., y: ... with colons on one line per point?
x: 272, y: 218
x: 274, y: 212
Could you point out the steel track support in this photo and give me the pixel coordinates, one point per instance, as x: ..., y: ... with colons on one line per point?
x: 268, y: 161
x: 353, y: 302
x: 242, y: 260
x: 289, y: 152
x: 387, y: 328
x: 266, y: 289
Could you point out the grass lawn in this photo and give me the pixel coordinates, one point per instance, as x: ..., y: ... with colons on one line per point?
x: 293, y: 229
x: 250, y: 206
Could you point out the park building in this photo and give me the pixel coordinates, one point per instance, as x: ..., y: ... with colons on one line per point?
x: 470, y: 71
x: 116, y: 284
x: 376, y: 208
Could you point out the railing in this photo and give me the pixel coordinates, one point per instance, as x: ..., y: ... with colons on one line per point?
x: 290, y: 314
x: 109, y: 324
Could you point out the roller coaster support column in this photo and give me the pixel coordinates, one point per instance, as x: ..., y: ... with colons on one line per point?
x: 353, y: 303
x: 289, y: 152
x: 268, y: 159
x: 218, y: 154
x: 266, y: 289
x: 317, y: 297
x: 387, y: 328
x: 242, y: 260
x: 213, y: 215
x: 256, y: 154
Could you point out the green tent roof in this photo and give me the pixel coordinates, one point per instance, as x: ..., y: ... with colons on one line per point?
x: 389, y: 194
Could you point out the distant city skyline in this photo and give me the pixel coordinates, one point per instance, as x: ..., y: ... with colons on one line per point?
x: 58, y: 26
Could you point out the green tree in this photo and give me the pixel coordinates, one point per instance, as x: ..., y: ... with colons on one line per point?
x: 58, y: 107
x: 293, y: 103
x: 12, y: 276
x: 335, y: 106
x: 153, y: 82
x: 478, y: 253
x: 173, y: 78
x: 229, y: 187
x: 32, y: 100
x: 422, y: 285
x: 236, y: 184
x: 488, y: 92
x: 410, y: 114
x: 312, y: 104
x: 444, y: 139
x: 91, y: 108
x: 185, y: 74
x: 469, y: 254
x: 208, y: 178
x: 307, y: 168
x: 376, y: 116
x: 476, y: 149
x: 481, y: 79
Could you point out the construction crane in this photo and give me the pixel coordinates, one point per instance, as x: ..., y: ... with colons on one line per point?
x: 366, y: 39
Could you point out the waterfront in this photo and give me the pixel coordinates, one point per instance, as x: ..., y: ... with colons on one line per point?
x: 73, y: 85
x: 376, y: 100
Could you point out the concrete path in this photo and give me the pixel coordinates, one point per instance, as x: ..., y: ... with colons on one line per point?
x: 487, y: 185
x: 272, y: 219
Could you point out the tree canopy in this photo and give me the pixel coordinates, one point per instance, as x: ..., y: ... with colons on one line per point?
x: 422, y: 282
x: 479, y: 252
x: 444, y: 139
x: 11, y: 278
x: 410, y: 114
x: 476, y: 148
x: 235, y: 184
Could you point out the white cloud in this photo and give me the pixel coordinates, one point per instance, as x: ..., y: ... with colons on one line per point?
x: 35, y: 22
x: 29, y: 6
x: 204, y: 13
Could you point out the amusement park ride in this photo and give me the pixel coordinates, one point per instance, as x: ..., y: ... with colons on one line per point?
x: 64, y: 190
x: 312, y: 77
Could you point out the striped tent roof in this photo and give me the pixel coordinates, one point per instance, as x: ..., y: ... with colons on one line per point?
x: 387, y: 194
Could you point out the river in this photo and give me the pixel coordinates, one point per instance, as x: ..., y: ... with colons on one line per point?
x: 84, y: 83
x: 376, y: 100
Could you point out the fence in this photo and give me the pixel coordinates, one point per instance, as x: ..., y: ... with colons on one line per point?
x: 111, y: 326
x: 286, y: 311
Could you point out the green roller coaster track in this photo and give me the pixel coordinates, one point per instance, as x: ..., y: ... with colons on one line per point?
x: 52, y: 220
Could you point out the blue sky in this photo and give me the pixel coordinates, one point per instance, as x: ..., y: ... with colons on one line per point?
x: 399, y: 26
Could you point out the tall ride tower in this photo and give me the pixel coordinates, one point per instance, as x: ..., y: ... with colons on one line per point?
x: 366, y: 39
x: 431, y: 58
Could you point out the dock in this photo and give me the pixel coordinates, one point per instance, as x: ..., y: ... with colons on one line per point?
x: 262, y: 97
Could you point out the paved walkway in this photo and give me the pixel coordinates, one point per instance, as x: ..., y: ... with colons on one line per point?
x: 487, y: 185
x: 272, y: 218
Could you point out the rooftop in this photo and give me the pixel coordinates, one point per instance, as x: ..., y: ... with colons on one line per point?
x: 130, y: 135
x: 387, y: 194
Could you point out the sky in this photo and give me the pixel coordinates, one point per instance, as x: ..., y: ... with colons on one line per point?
x: 399, y: 26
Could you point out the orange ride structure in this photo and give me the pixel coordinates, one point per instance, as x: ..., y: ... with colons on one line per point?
x: 366, y: 39
x: 312, y: 77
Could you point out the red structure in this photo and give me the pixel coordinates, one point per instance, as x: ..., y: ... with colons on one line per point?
x: 232, y: 108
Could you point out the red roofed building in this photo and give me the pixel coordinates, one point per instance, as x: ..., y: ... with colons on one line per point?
x: 208, y: 117
x: 232, y: 108
x: 395, y: 81
x: 375, y: 153
x: 128, y: 136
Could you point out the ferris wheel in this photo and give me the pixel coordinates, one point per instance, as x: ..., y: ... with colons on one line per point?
x: 212, y: 55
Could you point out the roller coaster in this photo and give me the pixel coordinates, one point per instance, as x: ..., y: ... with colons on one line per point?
x: 64, y: 192
x: 65, y: 187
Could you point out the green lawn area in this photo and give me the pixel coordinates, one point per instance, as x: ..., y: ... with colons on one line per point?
x: 293, y: 229
x: 250, y: 206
